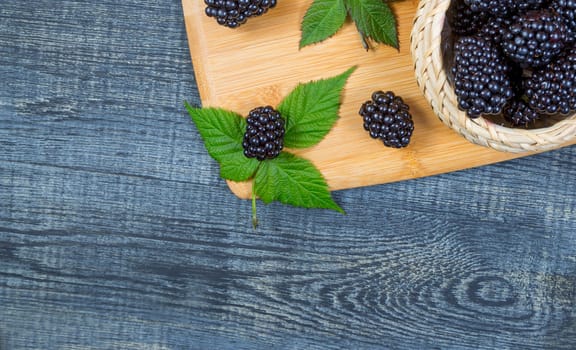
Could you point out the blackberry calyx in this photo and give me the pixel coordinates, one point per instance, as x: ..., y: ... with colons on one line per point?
x: 233, y: 13
x: 387, y: 117
x: 519, y: 113
x: 264, y: 135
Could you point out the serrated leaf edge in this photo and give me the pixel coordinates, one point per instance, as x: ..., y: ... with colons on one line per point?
x: 289, y: 118
x: 307, y: 15
x: 331, y: 204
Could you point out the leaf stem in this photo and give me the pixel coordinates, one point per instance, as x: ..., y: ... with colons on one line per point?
x: 254, y: 216
x: 364, y: 41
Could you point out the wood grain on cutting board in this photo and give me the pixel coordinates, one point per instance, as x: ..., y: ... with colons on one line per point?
x: 260, y: 63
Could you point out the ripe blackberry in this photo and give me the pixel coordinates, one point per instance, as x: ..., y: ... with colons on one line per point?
x: 233, y: 13
x: 567, y: 10
x: 494, y: 28
x: 387, y: 117
x: 552, y: 88
x: 535, y: 38
x: 462, y: 19
x: 499, y: 8
x: 264, y: 136
x: 480, y: 76
x: 519, y: 113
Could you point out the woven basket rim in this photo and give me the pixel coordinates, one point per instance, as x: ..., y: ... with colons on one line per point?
x: 426, y: 50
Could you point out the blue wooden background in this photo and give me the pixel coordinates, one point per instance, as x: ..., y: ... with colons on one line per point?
x: 116, y: 232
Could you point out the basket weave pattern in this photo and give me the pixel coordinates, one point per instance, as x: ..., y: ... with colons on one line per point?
x: 427, y: 55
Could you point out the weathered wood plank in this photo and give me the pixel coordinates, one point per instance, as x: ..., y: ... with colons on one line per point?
x: 116, y: 233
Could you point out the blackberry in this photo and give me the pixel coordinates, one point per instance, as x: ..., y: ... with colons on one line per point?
x: 387, y: 117
x: 494, y: 28
x: 480, y: 76
x: 535, y: 38
x: 567, y: 10
x: 462, y: 19
x: 233, y: 13
x: 264, y: 136
x: 519, y: 113
x: 499, y: 8
x: 552, y: 88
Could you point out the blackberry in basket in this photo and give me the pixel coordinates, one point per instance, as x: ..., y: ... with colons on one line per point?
x: 481, y: 76
x: 543, y: 89
x: 233, y: 13
x: 552, y: 88
x: 494, y: 28
x: 463, y: 20
x: 535, y: 38
x: 387, y: 117
x: 519, y: 113
x: 264, y: 135
x: 567, y: 11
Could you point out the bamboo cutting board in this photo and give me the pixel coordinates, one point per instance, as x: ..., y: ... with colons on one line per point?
x: 260, y: 63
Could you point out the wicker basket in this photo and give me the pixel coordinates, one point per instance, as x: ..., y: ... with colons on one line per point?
x: 428, y: 45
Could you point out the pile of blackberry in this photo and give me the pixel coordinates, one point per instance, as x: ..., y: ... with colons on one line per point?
x: 233, y: 13
x: 514, y: 58
x: 387, y: 117
x: 264, y: 135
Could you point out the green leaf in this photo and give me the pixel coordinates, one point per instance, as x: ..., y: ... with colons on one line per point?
x: 311, y: 110
x: 375, y: 20
x: 222, y: 132
x: 322, y: 20
x: 293, y: 180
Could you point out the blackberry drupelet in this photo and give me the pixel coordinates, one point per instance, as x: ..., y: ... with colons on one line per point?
x: 233, y: 13
x: 519, y: 113
x: 264, y: 135
x: 480, y: 76
x: 462, y: 19
x: 552, y: 88
x: 387, y: 117
x: 535, y: 38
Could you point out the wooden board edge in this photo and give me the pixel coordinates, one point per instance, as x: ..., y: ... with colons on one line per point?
x: 196, y: 44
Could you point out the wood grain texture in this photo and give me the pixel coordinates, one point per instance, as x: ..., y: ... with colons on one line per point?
x: 116, y: 232
x: 260, y: 63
